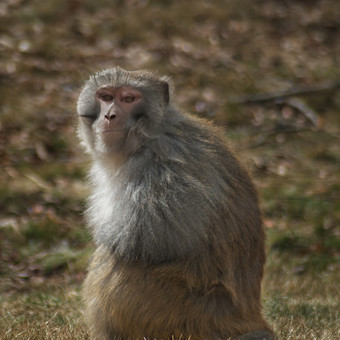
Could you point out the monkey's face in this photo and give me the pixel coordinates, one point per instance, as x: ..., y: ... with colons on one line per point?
x: 119, y: 110
x: 115, y: 112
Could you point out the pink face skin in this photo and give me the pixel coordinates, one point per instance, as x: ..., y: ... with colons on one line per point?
x: 116, y: 106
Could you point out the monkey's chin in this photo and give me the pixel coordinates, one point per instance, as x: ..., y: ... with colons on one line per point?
x: 109, y: 142
x: 112, y: 138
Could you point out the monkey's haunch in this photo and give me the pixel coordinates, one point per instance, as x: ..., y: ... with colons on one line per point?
x: 180, y: 241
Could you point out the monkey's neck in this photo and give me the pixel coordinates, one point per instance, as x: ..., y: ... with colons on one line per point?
x: 134, y: 207
x: 114, y: 161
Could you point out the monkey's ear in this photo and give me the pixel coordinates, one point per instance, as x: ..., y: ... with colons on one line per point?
x: 167, y: 88
x: 166, y: 92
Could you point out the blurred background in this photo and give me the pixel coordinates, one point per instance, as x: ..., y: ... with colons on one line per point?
x: 266, y: 70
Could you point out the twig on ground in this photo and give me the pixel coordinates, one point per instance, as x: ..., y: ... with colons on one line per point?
x: 293, y: 92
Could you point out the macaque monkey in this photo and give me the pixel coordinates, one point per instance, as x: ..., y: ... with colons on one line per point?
x: 175, y: 219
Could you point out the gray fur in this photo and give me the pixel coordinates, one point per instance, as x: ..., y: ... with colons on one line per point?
x: 157, y: 206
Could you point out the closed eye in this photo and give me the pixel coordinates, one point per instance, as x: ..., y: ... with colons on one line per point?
x: 90, y: 115
x: 88, y: 118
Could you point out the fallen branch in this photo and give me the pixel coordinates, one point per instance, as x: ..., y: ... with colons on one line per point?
x: 299, y: 105
x: 279, y: 97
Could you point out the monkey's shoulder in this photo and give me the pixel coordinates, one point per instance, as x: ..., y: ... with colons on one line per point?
x: 198, y: 140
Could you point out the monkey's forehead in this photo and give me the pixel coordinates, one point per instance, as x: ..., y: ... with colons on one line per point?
x: 117, y: 77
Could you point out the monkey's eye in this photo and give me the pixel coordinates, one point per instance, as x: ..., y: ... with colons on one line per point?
x: 105, y: 97
x: 128, y: 99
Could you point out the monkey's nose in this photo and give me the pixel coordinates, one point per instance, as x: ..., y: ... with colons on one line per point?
x: 110, y: 116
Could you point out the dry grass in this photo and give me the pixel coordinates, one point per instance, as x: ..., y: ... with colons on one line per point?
x: 301, y: 306
x: 42, y: 314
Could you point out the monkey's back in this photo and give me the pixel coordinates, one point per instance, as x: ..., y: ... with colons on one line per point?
x: 182, y: 251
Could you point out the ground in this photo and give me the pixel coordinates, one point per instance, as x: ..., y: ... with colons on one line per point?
x: 266, y: 70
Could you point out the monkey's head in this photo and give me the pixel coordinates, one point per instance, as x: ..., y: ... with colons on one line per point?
x: 119, y: 110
